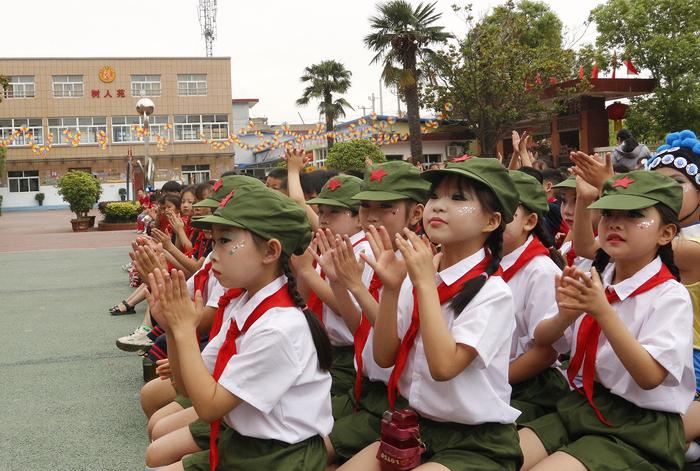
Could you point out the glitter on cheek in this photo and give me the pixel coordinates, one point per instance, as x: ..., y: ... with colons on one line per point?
x: 645, y: 224
x: 394, y: 212
x: 465, y: 210
x: 236, y: 248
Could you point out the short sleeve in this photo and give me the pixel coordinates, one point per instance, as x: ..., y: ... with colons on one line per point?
x: 190, y: 286
x: 541, y: 301
x: 215, y: 291
x: 404, y: 311
x: 487, y: 322
x: 264, y: 370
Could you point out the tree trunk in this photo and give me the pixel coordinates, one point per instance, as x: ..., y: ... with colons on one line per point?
x: 328, y: 103
x: 413, y: 113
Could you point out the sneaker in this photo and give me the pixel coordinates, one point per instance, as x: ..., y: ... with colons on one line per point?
x: 138, y: 340
x: 127, y: 267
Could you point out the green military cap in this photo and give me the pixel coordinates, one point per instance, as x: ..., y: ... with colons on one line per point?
x: 570, y: 182
x: 488, y: 172
x: 265, y: 212
x: 638, y: 190
x: 531, y: 192
x: 224, y: 186
x: 338, y: 191
x: 391, y: 181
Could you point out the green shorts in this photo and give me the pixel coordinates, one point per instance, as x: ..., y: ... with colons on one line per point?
x: 459, y: 447
x: 185, y: 402
x: 539, y: 395
x: 200, y: 431
x: 639, y: 439
x: 238, y: 452
x: 360, y: 429
x: 343, y: 370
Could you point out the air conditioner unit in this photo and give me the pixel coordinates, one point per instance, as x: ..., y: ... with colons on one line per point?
x: 454, y: 151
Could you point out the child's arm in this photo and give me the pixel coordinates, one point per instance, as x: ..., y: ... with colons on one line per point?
x: 548, y: 331
x: 183, y: 243
x: 295, y: 164
x: 446, y: 358
x: 531, y: 363
x: 584, y: 242
x: 686, y: 255
x: 187, y: 264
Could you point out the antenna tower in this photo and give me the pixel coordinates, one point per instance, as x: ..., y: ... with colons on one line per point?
x: 207, y: 20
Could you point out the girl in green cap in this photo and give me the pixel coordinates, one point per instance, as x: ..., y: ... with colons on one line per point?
x: 446, y: 328
x: 262, y: 382
x: 628, y: 324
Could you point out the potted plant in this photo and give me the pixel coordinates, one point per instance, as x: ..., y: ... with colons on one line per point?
x: 120, y: 216
x: 0, y: 205
x: 79, y: 190
x: 122, y: 194
x: 39, y: 197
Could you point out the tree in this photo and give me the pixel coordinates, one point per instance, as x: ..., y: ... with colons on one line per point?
x: 401, y: 37
x: 662, y: 37
x: 494, y: 77
x: 325, y: 79
x: 351, y: 155
x: 80, y: 190
x: 4, y: 82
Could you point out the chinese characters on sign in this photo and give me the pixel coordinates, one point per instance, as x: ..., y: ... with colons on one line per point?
x: 95, y: 93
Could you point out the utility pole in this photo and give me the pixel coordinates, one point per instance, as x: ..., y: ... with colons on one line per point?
x: 381, y: 98
x: 364, y: 109
x: 372, y: 98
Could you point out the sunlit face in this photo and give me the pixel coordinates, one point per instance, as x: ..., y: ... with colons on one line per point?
x: 393, y: 215
x: 518, y: 230
x: 690, y: 210
x: 454, y: 213
x: 235, y: 257
x: 188, y: 199
x: 567, y: 196
x: 631, y: 234
x: 338, y: 219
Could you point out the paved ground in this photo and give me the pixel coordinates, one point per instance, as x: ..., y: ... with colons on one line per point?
x: 68, y: 397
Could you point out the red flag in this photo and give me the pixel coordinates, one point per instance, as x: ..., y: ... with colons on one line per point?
x: 631, y: 69
x: 594, y: 72
x: 580, y: 72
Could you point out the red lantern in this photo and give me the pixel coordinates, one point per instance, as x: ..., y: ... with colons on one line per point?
x: 617, y: 111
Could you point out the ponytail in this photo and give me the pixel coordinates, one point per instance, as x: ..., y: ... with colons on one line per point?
x: 324, y: 351
x: 665, y: 252
x: 601, y: 261
x: 546, y: 238
x: 494, y: 248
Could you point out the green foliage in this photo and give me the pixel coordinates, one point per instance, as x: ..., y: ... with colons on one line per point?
x: 40, y: 197
x: 122, y: 191
x: 126, y: 211
x: 4, y: 82
x: 0, y: 205
x: 662, y: 37
x: 80, y: 190
x: 485, y: 78
x: 350, y: 155
x: 2, y: 159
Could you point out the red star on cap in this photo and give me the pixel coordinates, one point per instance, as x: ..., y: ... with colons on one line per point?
x: 218, y: 185
x: 377, y: 175
x: 334, y: 185
x: 226, y: 198
x: 623, y: 182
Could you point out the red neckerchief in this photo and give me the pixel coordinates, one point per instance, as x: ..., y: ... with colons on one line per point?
x: 194, y: 251
x: 189, y: 230
x: 570, y: 255
x: 445, y: 293
x: 361, y: 335
x: 314, y: 302
x: 201, y: 279
x: 589, y: 334
x: 280, y: 298
x: 224, y: 301
x: 533, y: 249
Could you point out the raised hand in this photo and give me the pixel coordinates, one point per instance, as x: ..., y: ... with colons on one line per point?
x: 347, y: 268
x: 567, y: 294
x: 162, y: 238
x: 296, y: 159
x: 175, y: 305
x: 147, y: 259
x: 303, y: 264
x: 592, y: 168
x: 421, y: 260
x: 175, y: 221
x: 587, y: 294
x: 326, y: 245
x: 390, y: 269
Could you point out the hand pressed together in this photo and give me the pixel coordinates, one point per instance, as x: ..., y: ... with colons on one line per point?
x: 175, y: 309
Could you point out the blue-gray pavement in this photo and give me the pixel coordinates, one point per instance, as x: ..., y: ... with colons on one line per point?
x: 69, y: 400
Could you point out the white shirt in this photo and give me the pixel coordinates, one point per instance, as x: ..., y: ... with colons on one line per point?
x: 534, y: 297
x: 583, y: 264
x: 275, y: 372
x: 214, y: 288
x: 338, y: 332
x: 481, y: 392
x: 661, y: 320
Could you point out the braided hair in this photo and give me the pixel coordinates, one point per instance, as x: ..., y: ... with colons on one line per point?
x: 548, y: 241
x: 324, y: 350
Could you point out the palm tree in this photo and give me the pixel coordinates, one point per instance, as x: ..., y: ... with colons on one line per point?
x: 401, y: 37
x: 325, y: 79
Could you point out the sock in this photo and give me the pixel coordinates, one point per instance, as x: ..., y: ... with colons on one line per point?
x: 147, y: 327
x: 693, y: 452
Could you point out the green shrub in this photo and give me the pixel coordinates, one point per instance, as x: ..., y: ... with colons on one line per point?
x: 350, y: 155
x: 80, y: 190
x: 126, y: 211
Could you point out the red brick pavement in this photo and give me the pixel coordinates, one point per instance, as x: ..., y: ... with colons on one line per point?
x: 50, y: 230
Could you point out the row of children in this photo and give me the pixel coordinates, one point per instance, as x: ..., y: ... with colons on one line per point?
x: 439, y: 296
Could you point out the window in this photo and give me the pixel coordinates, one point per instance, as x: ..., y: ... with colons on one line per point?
x: 33, y: 125
x: 123, y: 128
x: 23, y: 181
x: 394, y: 157
x: 89, y: 127
x: 67, y: 86
x: 432, y: 158
x: 20, y: 86
x: 189, y: 127
x: 145, y: 85
x: 193, y: 174
x: 191, y: 85
x: 320, y: 156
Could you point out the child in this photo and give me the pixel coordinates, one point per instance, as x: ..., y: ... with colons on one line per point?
x: 567, y: 196
x: 391, y: 196
x: 262, y: 381
x: 633, y: 382
x: 449, y: 344
x: 530, y: 264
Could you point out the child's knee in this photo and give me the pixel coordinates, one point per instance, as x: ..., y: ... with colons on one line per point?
x: 157, y: 455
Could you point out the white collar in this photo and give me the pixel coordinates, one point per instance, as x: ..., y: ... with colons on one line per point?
x: 455, y: 272
x: 508, y: 260
x: 356, y: 237
x: 248, y: 305
x: 626, y: 287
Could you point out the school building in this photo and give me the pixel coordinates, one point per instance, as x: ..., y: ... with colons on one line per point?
x: 60, y: 114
